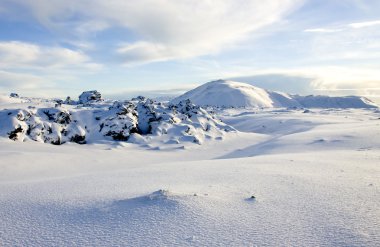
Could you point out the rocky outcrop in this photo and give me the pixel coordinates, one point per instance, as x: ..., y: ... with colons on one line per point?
x: 47, y: 125
x: 89, y: 96
x: 119, y: 120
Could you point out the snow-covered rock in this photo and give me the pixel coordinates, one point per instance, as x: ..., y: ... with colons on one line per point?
x: 228, y: 94
x: 49, y: 125
x: 141, y: 118
x: 89, y: 96
x: 182, y: 122
x: 14, y: 95
x: 68, y: 101
x: 119, y: 122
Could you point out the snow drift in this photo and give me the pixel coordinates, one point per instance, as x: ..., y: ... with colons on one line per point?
x: 223, y: 93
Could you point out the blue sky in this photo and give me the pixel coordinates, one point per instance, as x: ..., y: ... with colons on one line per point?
x: 121, y: 47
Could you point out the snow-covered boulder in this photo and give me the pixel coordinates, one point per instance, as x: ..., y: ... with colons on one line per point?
x: 89, y: 96
x: 48, y: 125
x: 120, y: 121
x: 12, y: 124
x: 197, y: 123
x: 141, y: 116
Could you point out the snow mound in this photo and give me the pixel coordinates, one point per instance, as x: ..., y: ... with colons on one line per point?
x: 140, y: 120
x: 160, y: 198
x: 222, y: 93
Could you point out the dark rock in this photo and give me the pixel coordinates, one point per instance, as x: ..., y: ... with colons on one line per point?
x: 139, y: 98
x: 63, y: 118
x: 68, y: 101
x: 78, y: 139
x: 13, y: 135
x: 89, y: 96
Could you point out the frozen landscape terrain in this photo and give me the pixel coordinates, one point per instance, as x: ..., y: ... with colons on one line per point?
x: 258, y: 168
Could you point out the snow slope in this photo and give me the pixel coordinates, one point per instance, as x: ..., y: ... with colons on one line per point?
x: 223, y: 93
x: 315, y: 176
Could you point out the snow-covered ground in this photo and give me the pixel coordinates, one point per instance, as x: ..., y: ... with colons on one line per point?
x: 315, y: 176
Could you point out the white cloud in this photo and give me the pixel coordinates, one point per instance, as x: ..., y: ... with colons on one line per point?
x: 40, y: 71
x: 47, y: 84
x: 364, y: 24
x: 164, y: 29
x: 16, y: 55
x: 330, y: 80
x: 341, y: 80
x: 345, y: 27
x: 322, y: 30
x: 350, y: 43
x: 334, y: 77
x: 27, y: 84
x: 145, y: 52
x: 17, y: 81
x: 91, y: 26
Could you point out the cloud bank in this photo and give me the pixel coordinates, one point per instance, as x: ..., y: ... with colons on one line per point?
x: 16, y: 54
x: 164, y: 29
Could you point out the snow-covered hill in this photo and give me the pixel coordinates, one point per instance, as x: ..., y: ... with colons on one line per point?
x: 223, y: 93
x: 235, y: 94
x: 322, y: 101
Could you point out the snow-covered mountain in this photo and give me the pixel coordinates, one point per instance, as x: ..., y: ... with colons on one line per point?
x: 222, y: 93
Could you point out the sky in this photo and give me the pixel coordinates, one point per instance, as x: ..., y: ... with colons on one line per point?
x: 123, y: 48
